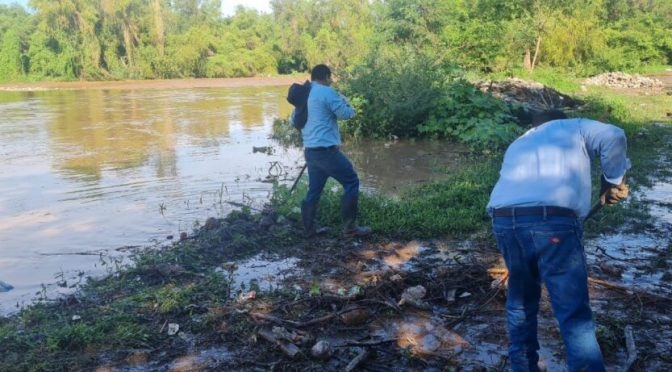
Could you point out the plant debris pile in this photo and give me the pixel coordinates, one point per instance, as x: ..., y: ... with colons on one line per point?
x: 531, y: 95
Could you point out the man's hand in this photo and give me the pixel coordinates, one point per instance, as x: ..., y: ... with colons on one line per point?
x: 612, y: 194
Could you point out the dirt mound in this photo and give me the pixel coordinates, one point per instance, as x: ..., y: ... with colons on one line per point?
x: 531, y: 95
x: 623, y: 80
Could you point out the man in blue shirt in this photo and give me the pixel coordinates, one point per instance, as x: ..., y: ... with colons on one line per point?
x: 538, y: 205
x: 321, y: 140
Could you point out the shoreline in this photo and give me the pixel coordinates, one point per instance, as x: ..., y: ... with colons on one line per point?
x: 153, y: 84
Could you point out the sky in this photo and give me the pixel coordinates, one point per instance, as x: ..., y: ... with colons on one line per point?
x: 228, y: 6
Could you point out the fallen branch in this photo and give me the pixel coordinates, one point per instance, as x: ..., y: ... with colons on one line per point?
x: 365, y: 343
x: 273, y: 319
x: 359, y: 359
x: 627, y: 290
x: 288, y: 348
x: 630, y: 347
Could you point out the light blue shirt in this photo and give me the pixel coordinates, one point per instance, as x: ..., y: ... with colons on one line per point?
x: 550, y: 165
x: 325, y: 107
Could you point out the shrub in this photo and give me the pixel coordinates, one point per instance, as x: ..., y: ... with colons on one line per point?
x: 472, y: 117
x: 393, y: 93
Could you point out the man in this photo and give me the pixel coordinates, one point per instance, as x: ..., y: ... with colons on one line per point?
x: 538, y: 204
x: 321, y: 140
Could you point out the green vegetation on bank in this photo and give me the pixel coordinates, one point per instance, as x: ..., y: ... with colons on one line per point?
x: 148, y: 39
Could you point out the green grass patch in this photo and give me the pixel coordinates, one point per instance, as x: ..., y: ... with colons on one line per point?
x: 454, y: 205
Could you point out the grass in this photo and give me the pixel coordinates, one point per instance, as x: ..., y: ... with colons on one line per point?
x: 454, y: 205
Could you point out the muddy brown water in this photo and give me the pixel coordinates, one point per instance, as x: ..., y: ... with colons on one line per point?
x: 88, y: 170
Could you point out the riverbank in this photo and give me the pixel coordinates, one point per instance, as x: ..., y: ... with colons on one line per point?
x: 248, y: 291
x: 154, y: 84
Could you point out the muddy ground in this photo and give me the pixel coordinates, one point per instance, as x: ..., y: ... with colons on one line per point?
x: 357, y: 295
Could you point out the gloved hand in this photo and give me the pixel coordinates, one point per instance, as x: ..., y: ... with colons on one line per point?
x: 612, y: 194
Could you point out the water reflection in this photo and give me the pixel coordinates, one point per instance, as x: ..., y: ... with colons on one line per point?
x: 391, y: 166
x: 85, y: 170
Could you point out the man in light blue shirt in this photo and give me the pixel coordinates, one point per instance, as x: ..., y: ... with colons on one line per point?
x: 538, y: 205
x: 321, y: 140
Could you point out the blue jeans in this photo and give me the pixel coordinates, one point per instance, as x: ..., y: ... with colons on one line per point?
x: 547, y: 249
x: 331, y: 163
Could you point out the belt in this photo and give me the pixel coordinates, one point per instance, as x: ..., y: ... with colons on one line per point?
x: 534, y: 211
x: 321, y: 148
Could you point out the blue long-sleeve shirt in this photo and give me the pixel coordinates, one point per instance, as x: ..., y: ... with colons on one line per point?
x: 550, y: 165
x: 325, y: 107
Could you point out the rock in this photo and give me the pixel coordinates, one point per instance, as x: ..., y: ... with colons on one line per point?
x: 183, y: 236
x: 396, y: 278
x: 623, y: 80
x: 246, y: 297
x: 173, y: 328
x: 5, y: 287
x: 169, y: 237
x: 355, y: 316
x: 322, y: 350
x: 413, y: 296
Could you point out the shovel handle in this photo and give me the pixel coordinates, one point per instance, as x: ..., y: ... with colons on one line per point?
x: 596, y: 207
x: 296, y: 181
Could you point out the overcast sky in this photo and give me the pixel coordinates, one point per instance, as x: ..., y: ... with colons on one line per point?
x: 228, y: 6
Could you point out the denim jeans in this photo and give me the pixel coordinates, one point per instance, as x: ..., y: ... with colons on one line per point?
x: 548, y: 249
x: 330, y: 163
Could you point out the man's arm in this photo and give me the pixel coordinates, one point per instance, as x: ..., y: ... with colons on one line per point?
x: 340, y: 106
x: 610, y: 144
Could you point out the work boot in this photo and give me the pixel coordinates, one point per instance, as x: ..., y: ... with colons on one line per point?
x: 309, y: 217
x: 349, y: 216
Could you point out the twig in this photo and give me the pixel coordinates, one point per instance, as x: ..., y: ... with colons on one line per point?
x: 273, y: 319
x: 365, y: 343
x: 631, y: 348
x: 628, y: 290
x: 359, y: 359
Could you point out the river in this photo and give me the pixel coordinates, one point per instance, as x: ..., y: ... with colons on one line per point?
x: 87, y: 172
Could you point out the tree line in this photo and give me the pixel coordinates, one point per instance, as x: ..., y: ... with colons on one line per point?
x: 151, y: 39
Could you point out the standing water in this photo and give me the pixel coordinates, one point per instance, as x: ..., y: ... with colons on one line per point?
x: 84, y: 173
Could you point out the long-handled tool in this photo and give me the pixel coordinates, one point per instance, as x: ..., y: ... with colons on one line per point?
x: 596, y: 207
x: 296, y: 181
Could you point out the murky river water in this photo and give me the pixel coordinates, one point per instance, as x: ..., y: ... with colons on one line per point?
x: 89, y: 171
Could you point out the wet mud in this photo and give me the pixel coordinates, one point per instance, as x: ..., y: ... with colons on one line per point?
x: 357, y: 296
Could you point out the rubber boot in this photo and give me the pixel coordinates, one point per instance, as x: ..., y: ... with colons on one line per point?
x: 349, y: 207
x: 309, y: 218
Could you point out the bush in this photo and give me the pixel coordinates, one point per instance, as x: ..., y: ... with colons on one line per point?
x: 393, y: 93
x: 472, y: 117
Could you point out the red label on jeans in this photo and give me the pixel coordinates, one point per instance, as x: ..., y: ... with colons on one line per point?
x: 555, y: 240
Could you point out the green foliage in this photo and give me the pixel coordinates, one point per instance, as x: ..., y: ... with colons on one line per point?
x: 286, y: 134
x: 146, y: 39
x: 393, y: 93
x: 472, y: 117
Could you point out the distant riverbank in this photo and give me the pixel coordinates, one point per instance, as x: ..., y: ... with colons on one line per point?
x: 153, y: 84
